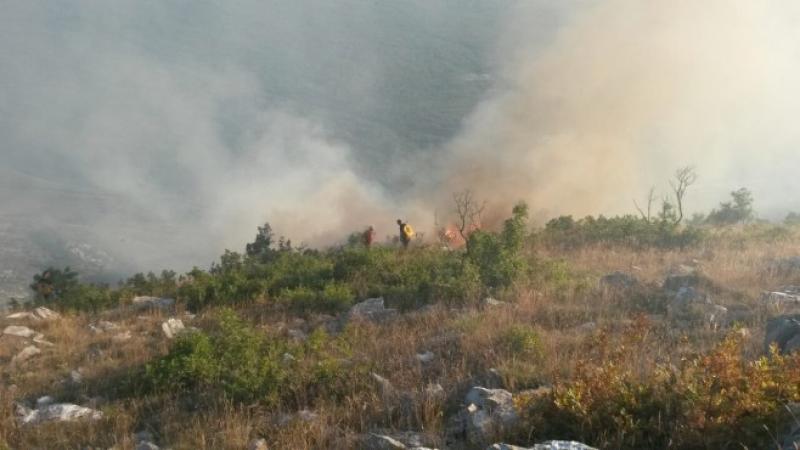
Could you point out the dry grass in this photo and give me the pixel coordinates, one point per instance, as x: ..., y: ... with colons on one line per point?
x: 465, y: 343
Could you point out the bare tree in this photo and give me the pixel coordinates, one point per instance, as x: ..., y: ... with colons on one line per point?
x: 684, y: 177
x: 468, y: 212
x: 651, y: 197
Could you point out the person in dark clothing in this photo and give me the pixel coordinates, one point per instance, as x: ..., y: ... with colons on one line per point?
x: 369, y: 236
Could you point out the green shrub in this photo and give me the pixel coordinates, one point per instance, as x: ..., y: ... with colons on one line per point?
x: 633, y: 231
x: 521, y: 341
x: 235, y: 361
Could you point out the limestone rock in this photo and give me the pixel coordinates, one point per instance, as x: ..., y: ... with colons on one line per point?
x: 146, y: 302
x: 19, y: 331
x: 382, y: 442
x: 372, y: 309
x: 258, y: 444
x: 26, y: 354
x: 489, y: 301
x: 619, y: 281
x: 60, y: 412
x: 23, y: 315
x: 488, y: 412
x: 425, y: 357
x: 46, y: 314
x: 783, y: 331
x: 172, y: 327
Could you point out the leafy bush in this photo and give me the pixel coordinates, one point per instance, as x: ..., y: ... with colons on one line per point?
x: 237, y: 362
x: 498, y: 257
x: 521, y: 341
x: 633, y: 231
x: 738, y: 210
x: 718, y: 400
x: 60, y: 289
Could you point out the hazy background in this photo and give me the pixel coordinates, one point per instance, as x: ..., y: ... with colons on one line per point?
x: 140, y: 135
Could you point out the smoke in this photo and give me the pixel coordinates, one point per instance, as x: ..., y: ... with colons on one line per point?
x: 625, y: 93
x: 163, y: 134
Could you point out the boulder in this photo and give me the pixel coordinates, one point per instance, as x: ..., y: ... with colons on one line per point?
x: 675, y: 282
x: 146, y: 302
x: 491, y: 302
x: 258, y: 444
x: 39, y: 339
x: 786, y: 266
x: 371, y: 309
x: 397, y: 440
x: 44, y: 401
x: 75, y: 377
x: 783, y: 296
x: 425, y: 357
x: 548, y: 445
x: 619, y: 281
x: 562, y: 445
x: 26, y: 354
x: 172, y: 327
x: 59, y: 412
x: 45, y: 314
x: 384, y: 386
x: 382, y: 442
x: 488, y: 412
x: 690, y: 305
x: 784, y: 331
x: 23, y: 315
x: 791, y: 440
x: 19, y: 331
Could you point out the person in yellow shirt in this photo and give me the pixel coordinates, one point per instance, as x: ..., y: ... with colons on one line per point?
x: 406, y: 233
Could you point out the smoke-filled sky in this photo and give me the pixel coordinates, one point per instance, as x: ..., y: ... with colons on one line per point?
x: 166, y: 131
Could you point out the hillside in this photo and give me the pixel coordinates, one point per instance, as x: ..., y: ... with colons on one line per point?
x: 610, y: 344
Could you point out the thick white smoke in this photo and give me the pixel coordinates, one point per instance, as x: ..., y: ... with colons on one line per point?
x: 627, y: 92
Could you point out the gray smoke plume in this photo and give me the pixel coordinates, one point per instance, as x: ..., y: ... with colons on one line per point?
x: 142, y: 135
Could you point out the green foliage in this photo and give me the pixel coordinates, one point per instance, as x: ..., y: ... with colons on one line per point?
x: 521, y: 341
x: 633, y: 231
x: 236, y: 361
x: 53, y: 284
x: 738, y: 210
x: 60, y: 289
x: 498, y: 257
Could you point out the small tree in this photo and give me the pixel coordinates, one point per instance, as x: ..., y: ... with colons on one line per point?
x: 651, y: 196
x: 739, y: 210
x: 684, y: 177
x: 468, y: 212
x: 261, y: 247
x: 53, y: 284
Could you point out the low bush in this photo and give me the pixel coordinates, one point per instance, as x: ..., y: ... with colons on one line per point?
x: 236, y: 361
x: 717, y: 400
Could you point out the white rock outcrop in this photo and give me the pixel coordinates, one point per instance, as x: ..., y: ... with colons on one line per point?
x: 59, y: 412
x: 172, y: 327
x: 19, y: 331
